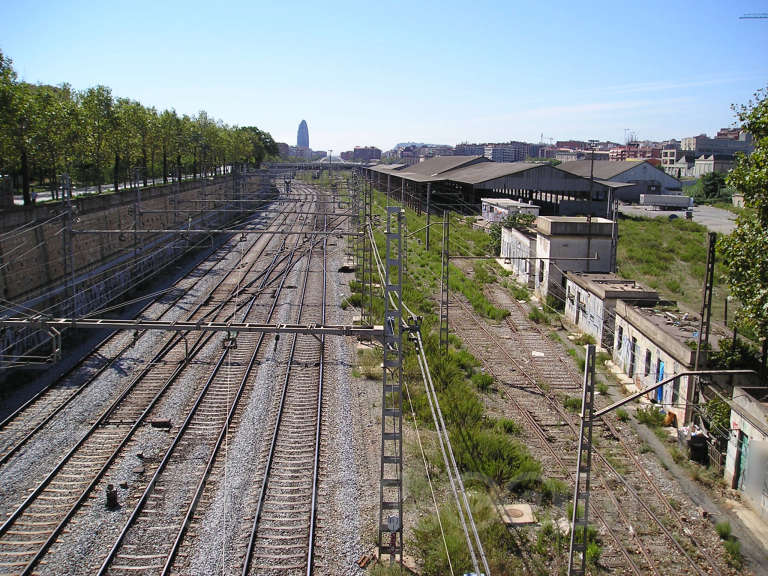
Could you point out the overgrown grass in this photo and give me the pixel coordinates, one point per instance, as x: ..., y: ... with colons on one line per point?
x: 669, y: 256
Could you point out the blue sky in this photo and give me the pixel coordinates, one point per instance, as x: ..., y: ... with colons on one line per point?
x: 376, y: 73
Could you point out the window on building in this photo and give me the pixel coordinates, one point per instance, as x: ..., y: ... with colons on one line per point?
x: 619, y: 337
x: 541, y: 270
x: 647, y: 369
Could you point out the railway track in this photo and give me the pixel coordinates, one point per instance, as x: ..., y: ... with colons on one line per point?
x: 645, y: 533
x: 37, y: 523
x: 282, y: 533
x: 29, y: 419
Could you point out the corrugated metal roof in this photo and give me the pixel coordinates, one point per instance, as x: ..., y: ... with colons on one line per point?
x: 433, y: 167
x: 604, y: 169
x: 485, y: 171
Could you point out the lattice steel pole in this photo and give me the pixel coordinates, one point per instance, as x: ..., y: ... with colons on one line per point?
x: 577, y: 557
x: 444, y: 283
x: 391, y: 477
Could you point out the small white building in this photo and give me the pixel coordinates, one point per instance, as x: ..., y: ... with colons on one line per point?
x: 746, y: 462
x: 570, y: 244
x: 590, y: 302
x: 651, y: 345
x: 518, y: 248
x: 497, y: 209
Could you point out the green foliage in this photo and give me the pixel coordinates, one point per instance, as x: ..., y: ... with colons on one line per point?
x: 553, y: 489
x: 652, y: 416
x: 733, y: 548
x: 473, y: 292
x: 746, y: 248
x: 507, y: 426
x: 483, y: 382
x: 572, y: 404
x: 518, y: 292
x: 538, y: 316
x: 602, y: 387
x: 730, y: 356
x: 718, y: 413
x: 723, y: 529
x: 97, y: 138
x: 622, y: 415
x: 495, y: 458
x: 498, y: 542
x: 710, y: 188
x: 745, y: 252
x: 555, y: 303
x: 584, y: 339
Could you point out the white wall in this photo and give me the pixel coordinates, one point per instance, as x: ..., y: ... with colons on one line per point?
x: 674, y: 395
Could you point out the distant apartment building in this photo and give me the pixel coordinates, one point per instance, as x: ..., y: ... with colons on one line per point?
x: 465, y: 149
x: 365, y: 154
x: 283, y: 149
x: 635, y: 151
x: 702, y: 144
x: 508, y: 152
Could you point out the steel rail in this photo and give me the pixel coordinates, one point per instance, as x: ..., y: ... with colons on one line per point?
x: 604, y: 461
x: 319, y: 416
x: 539, y: 431
x: 211, y: 460
x: 270, y: 456
x: 202, y: 341
x: 6, y: 456
x: 161, y: 467
x: 167, y: 347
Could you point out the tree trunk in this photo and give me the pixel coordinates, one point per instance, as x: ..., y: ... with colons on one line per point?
x: 116, y: 171
x: 144, y: 164
x: 25, y: 178
x: 178, y: 168
x: 165, y: 166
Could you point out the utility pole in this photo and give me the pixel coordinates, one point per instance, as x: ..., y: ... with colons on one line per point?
x: 580, y: 512
x: 444, y: 283
x: 391, y: 464
x: 429, y: 198
x: 704, y: 324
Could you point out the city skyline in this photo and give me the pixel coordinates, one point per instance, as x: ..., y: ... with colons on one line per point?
x: 518, y: 72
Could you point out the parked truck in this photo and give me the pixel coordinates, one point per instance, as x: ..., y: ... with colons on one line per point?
x: 666, y: 202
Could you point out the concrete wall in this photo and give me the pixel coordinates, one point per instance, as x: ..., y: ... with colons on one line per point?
x: 521, y: 249
x: 649, y: 352
x: 587, y: 312
x: 33, y: 247
x: 746, y: 462
x: 549, y: 270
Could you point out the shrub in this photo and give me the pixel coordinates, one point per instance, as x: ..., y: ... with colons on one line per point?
x: 537, y: 316
x: 733, y: 548
x: 584, y: 339
x: 572, y: 404
x: 495, y: 457
x: 602, y: 387
x: 652, y: 416
x: 593, y: 553
x: 622, y: 415
x: 723, y: 530
x: 482, y: 381
x: 507, y: 426
x: 553, y: 489
x: 555, y: 303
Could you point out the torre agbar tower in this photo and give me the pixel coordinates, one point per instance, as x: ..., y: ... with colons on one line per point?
x: 302, y: 140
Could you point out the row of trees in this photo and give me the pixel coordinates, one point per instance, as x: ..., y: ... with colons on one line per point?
x: 97, y: 138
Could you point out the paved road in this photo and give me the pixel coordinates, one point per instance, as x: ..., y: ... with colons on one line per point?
x: 715, y: 219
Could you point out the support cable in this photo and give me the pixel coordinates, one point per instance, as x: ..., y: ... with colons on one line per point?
x: 429, y: 477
